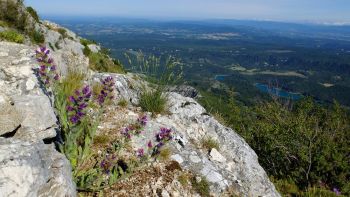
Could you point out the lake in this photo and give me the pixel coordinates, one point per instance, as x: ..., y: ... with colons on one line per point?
x: 278, y: 92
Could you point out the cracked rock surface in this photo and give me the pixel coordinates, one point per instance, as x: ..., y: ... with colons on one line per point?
x: 28, y: 167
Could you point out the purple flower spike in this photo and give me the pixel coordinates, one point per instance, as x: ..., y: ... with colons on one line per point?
x: 107, y: 90
x: 57, y: 77
x: 142, y: 120
x: 72, y: 99
x: 70, y: 108
x: 74, y: 119
x: 149, y: 144
x: 53, y: 68
x: 140, y: 152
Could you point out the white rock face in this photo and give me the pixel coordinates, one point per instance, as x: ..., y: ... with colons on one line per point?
x: 33, y: 169
x: 28, y: 167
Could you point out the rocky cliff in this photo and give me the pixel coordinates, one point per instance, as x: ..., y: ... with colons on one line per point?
x: 30, y: 165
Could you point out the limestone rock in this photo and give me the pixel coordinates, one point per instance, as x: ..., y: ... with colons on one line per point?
x: 10, y: 118
x: 185, y: 90
x: 94, y: 48
x: 216, y: 156
x: 33, y: 169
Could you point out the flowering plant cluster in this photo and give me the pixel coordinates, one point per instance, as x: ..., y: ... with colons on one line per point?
x: 135, y: 129
x: 107, y: 91
x: 47, y: 68
x: 108, y: 163
x: 78, y: 104
x: 162, y: 137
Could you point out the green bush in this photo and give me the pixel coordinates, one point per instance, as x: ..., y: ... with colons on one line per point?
x: 86, y: 42
x: 3, y: 24
x: 201, y: 187
x: 33, y: 13
x: 153, y: 101
x: 306, y: 143
x: 102, y: 63
x: 86, y: 51
x: 12, y: 36
x: 123, y: 103
x: 63, y: 32
x: 37, y: 37
x: 12, y: 15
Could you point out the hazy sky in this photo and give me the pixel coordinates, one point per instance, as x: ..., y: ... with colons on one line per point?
x: 281, y: 10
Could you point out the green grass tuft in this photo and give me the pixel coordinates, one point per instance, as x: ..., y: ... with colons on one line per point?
x: 209, y: 143
x: 12, y: 36
x: 201, y: 187
x: 153, y: 101
x: 73, y: 81
x: 37, y: 37
x: 123, y: 103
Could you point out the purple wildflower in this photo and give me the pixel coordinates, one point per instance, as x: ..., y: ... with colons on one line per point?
x: 78, y: 104
x: 164, y: 135
x: 142, y: 120
x: 56, y: 77
x: 336, y: 191
x: 149, y: 144
x: 107, y: 90
x: 47, y: 71
x: 107, y: 163
x: 70, y: 108
x: 140, y: 152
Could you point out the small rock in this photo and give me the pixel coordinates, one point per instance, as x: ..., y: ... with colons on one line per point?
x: 3, y: 54
x: 216, y: 156
x: 30, y: 84
x: 165, y: 193
x: 195, y: 159
x: 177, y: 158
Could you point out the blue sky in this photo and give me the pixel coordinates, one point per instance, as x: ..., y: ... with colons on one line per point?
x: 280, y: 10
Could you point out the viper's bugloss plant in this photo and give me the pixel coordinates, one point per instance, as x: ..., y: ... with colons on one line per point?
x: 107, y: 90
x: 47, y: 69
x: 74, y: 105
x: 107, y: 163
x: 78, y: 104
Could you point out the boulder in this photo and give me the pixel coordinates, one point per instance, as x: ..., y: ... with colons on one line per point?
x: 33, y: 169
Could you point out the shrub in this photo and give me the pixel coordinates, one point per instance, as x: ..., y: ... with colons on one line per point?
x: 37, y: 37
x: 101, y: 139
x: 209, y: 143
x: 184, y: 179
x: 12, y: 36
x: 153, y: 101
x: 86, y: 42
x: 123, y: 103
x: 307, y: 143
x: 33, y: 13
x: 3, y: 24
x: 102, y: 63
x: 164, y: 154
x: 12, y: 15
x: 86, y: 51
x: 63, y: 32
x: 201, y: 186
